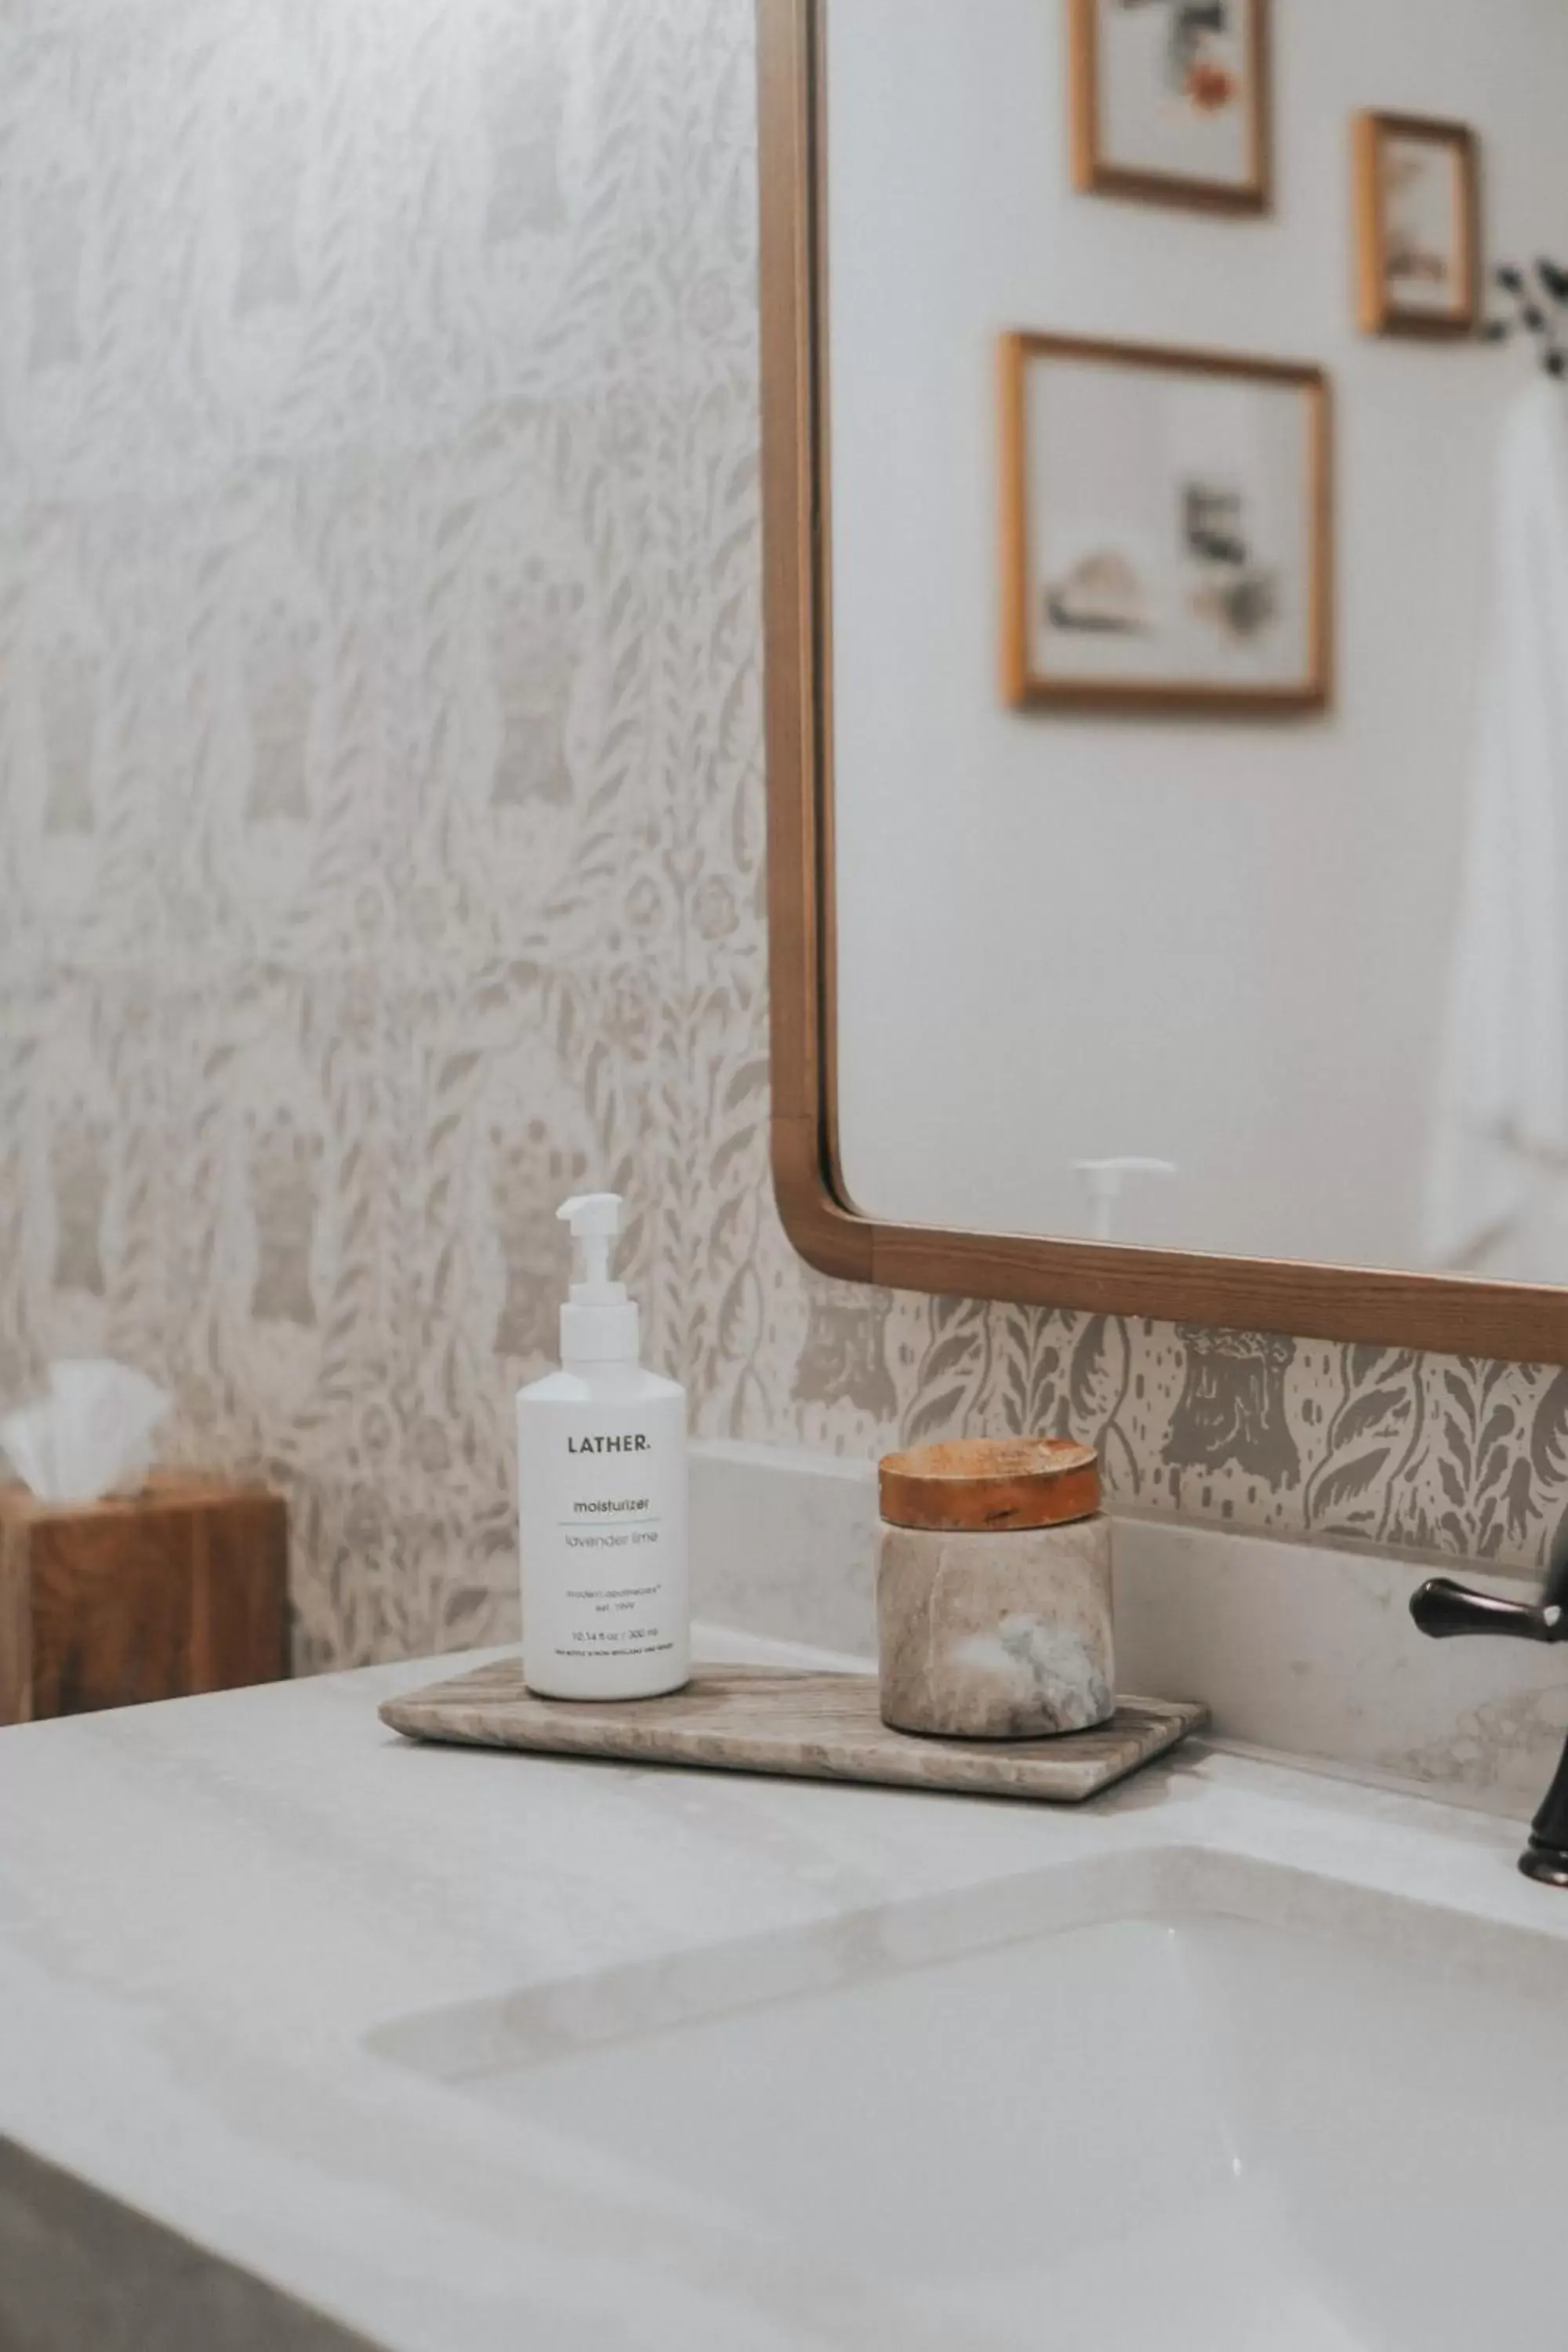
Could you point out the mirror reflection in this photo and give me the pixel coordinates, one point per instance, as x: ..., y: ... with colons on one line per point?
x: 1199, y: 463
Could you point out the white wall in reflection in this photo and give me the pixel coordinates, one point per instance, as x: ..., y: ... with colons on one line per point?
x: 1227, y: 945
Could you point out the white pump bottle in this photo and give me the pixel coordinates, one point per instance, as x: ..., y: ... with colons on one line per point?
x: 602, y: 1496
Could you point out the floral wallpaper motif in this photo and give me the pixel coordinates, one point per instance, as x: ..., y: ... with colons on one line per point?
x: 381, y: 811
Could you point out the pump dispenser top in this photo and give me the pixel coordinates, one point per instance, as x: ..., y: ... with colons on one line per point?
x: 599, y: 1324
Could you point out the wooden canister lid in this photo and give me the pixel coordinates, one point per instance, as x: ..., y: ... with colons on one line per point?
x: 990, y: 1482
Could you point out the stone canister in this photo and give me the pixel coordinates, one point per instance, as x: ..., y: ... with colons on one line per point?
x: 993, y: 1590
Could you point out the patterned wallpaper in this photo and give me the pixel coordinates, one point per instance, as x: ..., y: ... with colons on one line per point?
x: 381, y: 809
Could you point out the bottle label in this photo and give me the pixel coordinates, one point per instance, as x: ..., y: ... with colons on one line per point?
x: 603, y: 1514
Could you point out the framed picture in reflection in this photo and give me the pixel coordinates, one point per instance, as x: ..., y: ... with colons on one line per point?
x: 1166, y: 529
x: 1417, y: 226
x: 1170, y: 101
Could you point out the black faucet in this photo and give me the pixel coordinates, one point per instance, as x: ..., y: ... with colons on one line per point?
x: 1443, y: 1608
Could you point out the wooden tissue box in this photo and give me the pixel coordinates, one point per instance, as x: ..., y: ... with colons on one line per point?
x: 182, y: 1588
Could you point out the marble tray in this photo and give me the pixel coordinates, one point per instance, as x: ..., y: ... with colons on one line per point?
x: 766, y: 1719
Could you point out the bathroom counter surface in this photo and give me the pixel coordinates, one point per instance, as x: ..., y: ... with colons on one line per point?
x: 215, y: 1913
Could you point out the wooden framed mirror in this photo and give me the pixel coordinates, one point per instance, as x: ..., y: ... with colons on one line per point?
x: 1463, y: 1312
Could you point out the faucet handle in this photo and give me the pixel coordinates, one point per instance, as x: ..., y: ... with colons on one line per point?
x: 1443, y: 1608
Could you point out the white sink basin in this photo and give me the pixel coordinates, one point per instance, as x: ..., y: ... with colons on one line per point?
x: 1161, y: 2102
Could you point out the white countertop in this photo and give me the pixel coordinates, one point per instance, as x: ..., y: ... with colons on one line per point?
x: 208, y: 1908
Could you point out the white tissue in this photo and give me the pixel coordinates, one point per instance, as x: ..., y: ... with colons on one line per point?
x: 91, y: 1435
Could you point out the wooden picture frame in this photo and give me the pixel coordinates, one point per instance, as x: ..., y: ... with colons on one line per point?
x: 1119, y: 656
x: 1097, y: 171
x: 1386, y: 255
x: 1521, y: 1322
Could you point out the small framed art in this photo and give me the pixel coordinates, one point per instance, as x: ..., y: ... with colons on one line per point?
x: 1166, y: 529
x: 1417, y: 226
x: 1171, y: 100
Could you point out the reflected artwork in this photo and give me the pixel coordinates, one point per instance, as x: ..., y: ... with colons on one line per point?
x: 1418, y: 211
x: 1166, y: 529
x: 1171, y: 100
